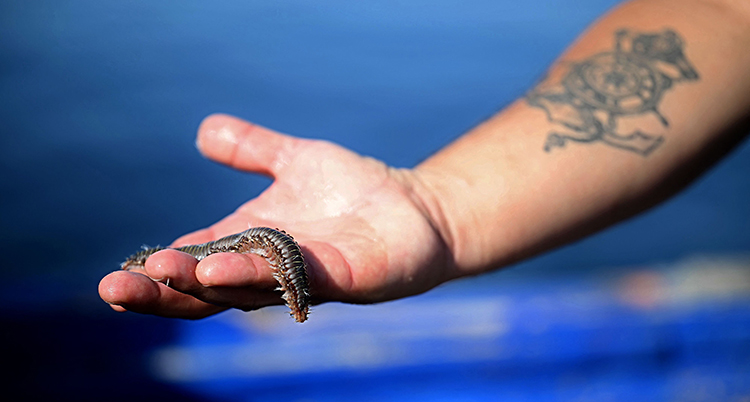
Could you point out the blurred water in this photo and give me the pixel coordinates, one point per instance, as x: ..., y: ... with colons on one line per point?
x: 669, y: 334
x: 99, y: 103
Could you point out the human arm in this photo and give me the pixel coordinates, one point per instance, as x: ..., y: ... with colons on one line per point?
x: 499, y: 197
x: 374, y: 233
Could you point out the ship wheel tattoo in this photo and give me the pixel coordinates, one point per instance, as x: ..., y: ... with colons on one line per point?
x: 629, y: 81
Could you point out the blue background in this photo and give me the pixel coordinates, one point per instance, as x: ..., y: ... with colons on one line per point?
x: 99, y: 104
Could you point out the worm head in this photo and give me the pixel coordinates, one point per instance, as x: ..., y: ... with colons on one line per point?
x: 138, y: 260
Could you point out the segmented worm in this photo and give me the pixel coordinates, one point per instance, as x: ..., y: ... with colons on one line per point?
x: 278, y: 248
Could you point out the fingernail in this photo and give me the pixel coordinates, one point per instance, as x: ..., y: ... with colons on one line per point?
x: 164, y: 280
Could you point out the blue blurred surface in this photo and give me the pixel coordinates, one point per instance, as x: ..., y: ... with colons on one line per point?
x: 676, y: 334
x: 99, y: 103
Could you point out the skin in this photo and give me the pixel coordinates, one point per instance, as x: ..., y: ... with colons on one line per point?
x: 355, y: 252
x: 372, y: 233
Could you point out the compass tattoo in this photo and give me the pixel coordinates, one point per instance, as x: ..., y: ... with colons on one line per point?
x: 629, y: 81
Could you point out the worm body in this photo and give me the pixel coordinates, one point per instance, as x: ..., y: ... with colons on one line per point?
x: 278, y: 248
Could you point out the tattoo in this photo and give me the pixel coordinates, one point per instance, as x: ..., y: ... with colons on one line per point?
x: 628, y: 81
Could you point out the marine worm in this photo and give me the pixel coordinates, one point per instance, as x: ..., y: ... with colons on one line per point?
x: 278, y: 248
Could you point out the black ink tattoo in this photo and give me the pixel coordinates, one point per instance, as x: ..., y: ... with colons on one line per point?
x: 630, y: 80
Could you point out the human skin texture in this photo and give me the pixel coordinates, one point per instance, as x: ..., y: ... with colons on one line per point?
x: 648, y: 98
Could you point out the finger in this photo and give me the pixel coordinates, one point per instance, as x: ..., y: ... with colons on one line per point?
x: 122, y: 287
x: 125, y: 290
x: 243, y: 145
x: 178, y: 271
x: 235, y: 270
x: 175, y: 269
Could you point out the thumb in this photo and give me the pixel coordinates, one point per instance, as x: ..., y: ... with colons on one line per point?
x: 243, y: 145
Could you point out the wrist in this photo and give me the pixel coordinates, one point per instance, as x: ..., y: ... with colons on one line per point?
x: 426, y: 192
x: 439, y: 192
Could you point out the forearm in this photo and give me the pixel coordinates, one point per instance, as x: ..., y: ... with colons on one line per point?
x: 619, y: 124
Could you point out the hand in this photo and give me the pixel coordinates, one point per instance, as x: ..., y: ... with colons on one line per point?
x: 363, y: 228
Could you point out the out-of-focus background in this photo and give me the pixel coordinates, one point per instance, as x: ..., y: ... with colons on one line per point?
x: 99, y: 104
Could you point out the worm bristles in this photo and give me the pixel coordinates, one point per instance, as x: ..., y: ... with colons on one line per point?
x: 278, y: 248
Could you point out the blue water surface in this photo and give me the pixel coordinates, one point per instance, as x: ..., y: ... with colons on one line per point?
x: 99, y: 104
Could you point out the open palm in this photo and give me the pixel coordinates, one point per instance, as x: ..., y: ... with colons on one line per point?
x: 362, y: 226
